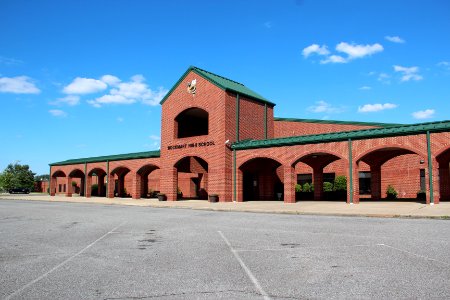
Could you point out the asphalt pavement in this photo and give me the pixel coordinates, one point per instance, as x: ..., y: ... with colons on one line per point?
x: 93, y: 251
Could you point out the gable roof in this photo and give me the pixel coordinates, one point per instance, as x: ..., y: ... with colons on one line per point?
x: 401, y: 130
x: 126, y: 156
x: 337, y: 122
x: 222, y: 83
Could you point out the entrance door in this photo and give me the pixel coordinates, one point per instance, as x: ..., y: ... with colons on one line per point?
x: 251, y: 186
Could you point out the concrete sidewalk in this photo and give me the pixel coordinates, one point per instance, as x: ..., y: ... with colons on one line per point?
x: 368, y: 209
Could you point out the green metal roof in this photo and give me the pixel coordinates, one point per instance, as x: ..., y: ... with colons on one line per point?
x: 221, y: 82
x: 337, y: 122
x: 402, y: 130
x: 147, y: 154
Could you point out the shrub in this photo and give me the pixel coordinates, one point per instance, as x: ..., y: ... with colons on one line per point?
x: 340, y: 183
x: 306, y: 188
x: 391, y: 193
x: 327, y: 186
x: 74, y: 183
x: 298, y: 188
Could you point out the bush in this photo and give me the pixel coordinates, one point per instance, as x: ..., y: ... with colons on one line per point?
x: 74, y: 183
x: 391, y: 193
x: 327, y: 186
x: 340, y: 183
x: 298, y: 188
x: 306, y: 188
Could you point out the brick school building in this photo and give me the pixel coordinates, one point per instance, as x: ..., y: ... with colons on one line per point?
x: 218, y: 137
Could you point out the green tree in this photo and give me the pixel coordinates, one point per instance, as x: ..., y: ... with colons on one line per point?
x: 43, y: 177
x: 17, y: 176
x: 340, y: 183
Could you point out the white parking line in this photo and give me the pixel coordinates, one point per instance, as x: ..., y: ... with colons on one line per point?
x: 246, y: 269
x: 61, y: 264
x: 415, y: 254
x: 300, y: 248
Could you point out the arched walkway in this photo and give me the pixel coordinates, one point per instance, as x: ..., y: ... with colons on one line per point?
x: 192, y: 178
x: 317, y: 161
x: 77, y: 173
x: 385, y: 166
x: 95, y: 185
x: 261, y: 179
x: 142, y: 188
x: 116, y: 183
x: 443, y: 160
x: 56, y: 187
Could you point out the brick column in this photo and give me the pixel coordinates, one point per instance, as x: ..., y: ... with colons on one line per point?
x: 375, y: 182
x: 52, y: 186
x: 318, y: 183
x: 137, y: 186
x: 88, y: 186
x: 436, y: 183
x: 239, y: 186
x: 289, y: 184
x: 68, y: 186
x: 169, y: 181
x: 111, y: 184
x: 444, y: 184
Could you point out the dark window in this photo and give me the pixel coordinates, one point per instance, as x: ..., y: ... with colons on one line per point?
x: 329, y: 177
x: 304, y: 178
x: 364, y: 183
x: 64, y: 188
x: 59, y: 188
x: 192, y: 122
x: 422, y: 179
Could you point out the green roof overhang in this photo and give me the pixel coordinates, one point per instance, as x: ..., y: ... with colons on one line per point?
x: 402, y: 130
x: 127, y: 156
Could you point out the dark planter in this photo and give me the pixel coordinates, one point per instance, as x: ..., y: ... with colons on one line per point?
x: 161, y: 197
x: 213, y: 198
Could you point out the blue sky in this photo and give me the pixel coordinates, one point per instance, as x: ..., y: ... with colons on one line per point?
x: 84, y: 78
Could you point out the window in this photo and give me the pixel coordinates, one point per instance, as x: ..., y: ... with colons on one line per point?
x: 364, y: 183
x: 422, y: 180
x: 59, y: 188
x: 192, y: 122
x: 329, y: 177
x: 304, y: 178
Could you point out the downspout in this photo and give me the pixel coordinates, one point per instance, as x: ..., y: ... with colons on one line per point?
x: 350, y: 167
x: 234, y: 177
x: 107, y: 178
x: 237, y: 117
x: 85, y: 179
x: 265, y: 121
x: 430, y: 168
x: 50, y: 180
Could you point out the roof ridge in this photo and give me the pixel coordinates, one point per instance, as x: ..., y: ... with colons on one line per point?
x: 199, y: 69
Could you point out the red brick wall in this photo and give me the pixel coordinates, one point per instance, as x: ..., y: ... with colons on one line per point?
x: 290, y: 128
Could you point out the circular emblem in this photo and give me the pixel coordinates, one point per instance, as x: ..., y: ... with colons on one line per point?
x: 192, y: 86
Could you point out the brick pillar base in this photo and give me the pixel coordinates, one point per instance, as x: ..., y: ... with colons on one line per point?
x: 69, y: 186
x: 88, y: 186
x: 289, y: 184
x: 111, y: 184
x: 137, y: 186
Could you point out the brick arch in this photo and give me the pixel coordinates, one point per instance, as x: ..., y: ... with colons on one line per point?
x: 58, y: 173
x: 95, y: 170
x: 76, y: 173
x: 390, y: 146
x: 191, y: 156
x: 192, y: 121
x: 116, y: 169
x: 443, y: 155
x: 257, y: 156
x: 310, y: 153
x: 147, y: 168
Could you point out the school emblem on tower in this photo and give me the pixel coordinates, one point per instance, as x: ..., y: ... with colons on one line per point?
x: 192, y: 86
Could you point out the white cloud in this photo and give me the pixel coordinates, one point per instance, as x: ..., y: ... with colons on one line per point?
x: 334, y: 59
x: 423, y: 114
x: 314, y: 48
x: 365, y: 88
x: 10, y: 61
x: 352, y: 51
x: 85, y: 86
x: 376, y: 107
x: 324, y: 107
x: 18, y: 85
x: 69, y: 100
x: 110, y: 80
x: 268, y: 24
x: 408, y: 74
x: 384, y: 78
x: 394, y: 39
x: 120, y: 119
x: 58, y: 113
x: 136, y: 90
x: 358, y: 51
x: 444, y: 64
x: 154, y: 137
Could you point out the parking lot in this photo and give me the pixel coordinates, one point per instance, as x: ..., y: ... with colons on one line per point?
x: 91, y: 251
